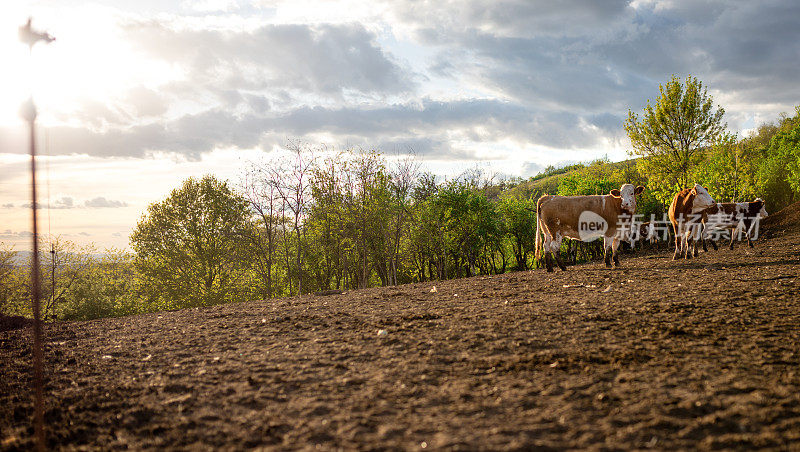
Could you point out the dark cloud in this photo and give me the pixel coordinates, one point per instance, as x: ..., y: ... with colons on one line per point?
x: 100, y: 201
x: 606, y: 58
x: 478, y: 120
x: 67, y: 202
x: 438, y: 22
x: 425, y: 127
x: 561, y: 75
x: 322, y: 59
x: 11, y: 235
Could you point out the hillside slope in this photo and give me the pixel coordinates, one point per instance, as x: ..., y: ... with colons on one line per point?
x: 657, y: 354
x: 784, y: 221
x: 533, y: 189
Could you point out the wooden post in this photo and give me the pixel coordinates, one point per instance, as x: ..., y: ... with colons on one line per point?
x: 29, y: 36
x: 29, y: 113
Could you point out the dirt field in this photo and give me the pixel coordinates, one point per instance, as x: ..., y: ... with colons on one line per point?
x: 675, y: 355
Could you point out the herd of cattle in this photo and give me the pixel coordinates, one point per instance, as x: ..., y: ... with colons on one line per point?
x: 694, y: 216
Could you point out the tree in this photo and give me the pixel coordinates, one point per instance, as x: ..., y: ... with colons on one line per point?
x: 262, y: 193
x: 775, y: 151
x: 107, y: 288
x: 9, y: 279
x: 786, y: 146
x: 329, y: 225
x: 519, y: 224
x: 403, y: 178
x: 726, y: 168
x: 672, y: 134
x: 291, y: 179
x: 187, y: 246
x: 62, y: 266
x: 469, y: 227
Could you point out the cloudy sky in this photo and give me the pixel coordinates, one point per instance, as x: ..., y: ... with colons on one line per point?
x: 136, y: 96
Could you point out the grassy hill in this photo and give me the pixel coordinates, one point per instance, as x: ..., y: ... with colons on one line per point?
x: 547, y: 182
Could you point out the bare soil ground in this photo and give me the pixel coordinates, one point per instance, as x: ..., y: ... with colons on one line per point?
x: 698, y: 354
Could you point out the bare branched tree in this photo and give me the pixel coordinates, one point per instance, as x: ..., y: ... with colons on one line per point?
x: 292, y: 180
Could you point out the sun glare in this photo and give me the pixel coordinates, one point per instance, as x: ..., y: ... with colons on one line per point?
x: 90, y: 61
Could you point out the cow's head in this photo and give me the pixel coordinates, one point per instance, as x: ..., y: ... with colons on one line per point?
x: 627, y: 195
x: 702, y: 200
x: 762, y: 211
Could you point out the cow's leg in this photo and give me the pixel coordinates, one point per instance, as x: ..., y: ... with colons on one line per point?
x: 749, y: 242
x: 703, y: 239
x: 684, y: 240
x: 555, y: 246
x: 560, y: 262
x: 546, y: 244
x: 687, y: 245
x: 607, y: 253
x: 614, y: 246
x: 678, y: 240
x: 573, y: 252
x: 733, y: 237
x: 713, y: 244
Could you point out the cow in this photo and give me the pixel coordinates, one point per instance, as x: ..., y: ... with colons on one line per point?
x: 685, y: 213
x: 732, y: 216
x: 583, y: 218
x: 647, y: 234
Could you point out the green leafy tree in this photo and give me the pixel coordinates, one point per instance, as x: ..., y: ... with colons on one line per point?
x: 519, y: 224
x: 672, y: 133
x: 776, y: 153
x: 63, y: 267
x: 470, y: 227
x: 726, y: 170
x: 786, y: 146
x: 188, y: 246
x: 581, y: 184
x: 107, y: 288
x: 11, y: 288
x: 327, y: 225
x: 426, y: 245
x: 263, y: 237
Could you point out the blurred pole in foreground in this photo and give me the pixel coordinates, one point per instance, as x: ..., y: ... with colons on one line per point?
x: 28, y: 112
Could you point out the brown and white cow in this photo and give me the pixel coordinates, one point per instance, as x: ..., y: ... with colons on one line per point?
x: 732, y: 216
x: 685, y: 214
x: 648, y: 233
x: 584, y: 218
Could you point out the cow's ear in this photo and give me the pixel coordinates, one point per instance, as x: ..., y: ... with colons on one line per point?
x: 693, y: 192
x: 614, y: 193
x: 638, y: 190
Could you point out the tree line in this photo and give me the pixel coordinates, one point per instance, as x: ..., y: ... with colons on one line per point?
x: 317, y: 220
